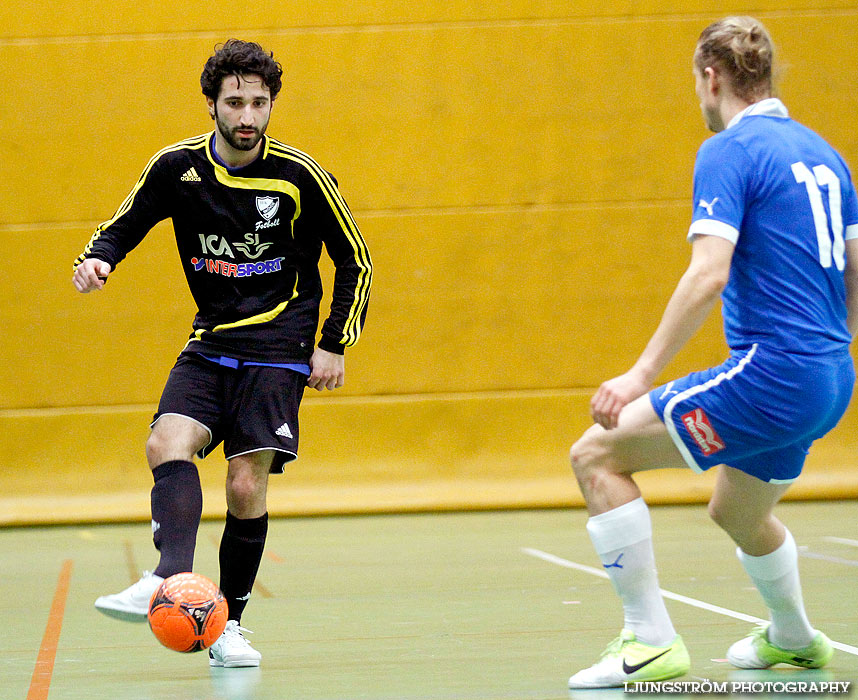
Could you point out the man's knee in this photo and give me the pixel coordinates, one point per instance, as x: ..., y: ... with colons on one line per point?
x: 719, y: 514
x: 158, y: 449
x: 247, y: 476
x: 732, y: 520
x: 589, y: 457
x: 579, y: 456
x: 173, y: 440
x: 245, y: 484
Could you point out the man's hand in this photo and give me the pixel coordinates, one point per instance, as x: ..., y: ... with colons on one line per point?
x: 692, y: 300
x: 90, y: 275
x: 613, y: 396
x: 327, y: 370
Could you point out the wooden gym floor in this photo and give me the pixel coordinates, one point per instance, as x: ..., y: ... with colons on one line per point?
x: 488, y: 605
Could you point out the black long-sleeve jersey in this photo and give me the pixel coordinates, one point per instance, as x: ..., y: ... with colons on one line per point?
x: 250, y: 240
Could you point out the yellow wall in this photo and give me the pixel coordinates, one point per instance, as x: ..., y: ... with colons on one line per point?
x: 521, y: 172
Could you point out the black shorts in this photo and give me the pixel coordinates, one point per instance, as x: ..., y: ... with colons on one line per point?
x: 249, y: 409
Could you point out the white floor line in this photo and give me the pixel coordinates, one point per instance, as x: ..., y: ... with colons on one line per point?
x: 842, y: 540
x: 553, y: 559
x: 803, y: 552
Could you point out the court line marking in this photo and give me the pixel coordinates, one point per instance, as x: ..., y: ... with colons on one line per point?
x: 131, y: 561
x: 263, y: 591
x: 559, y: 561
x: 804, y: 552
x: 842, y: 540
x: 40, y: 683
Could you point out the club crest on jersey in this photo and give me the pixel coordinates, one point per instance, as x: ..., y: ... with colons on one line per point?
x: 697, y: 424
x: 267, y: 207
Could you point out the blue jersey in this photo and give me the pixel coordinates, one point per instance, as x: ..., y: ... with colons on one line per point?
x: 786, y: 199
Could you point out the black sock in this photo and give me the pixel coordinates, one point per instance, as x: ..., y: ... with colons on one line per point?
x: 177, y: 504
x: 240, y: 554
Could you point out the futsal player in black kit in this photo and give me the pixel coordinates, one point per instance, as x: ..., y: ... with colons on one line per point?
x: 251, y: 216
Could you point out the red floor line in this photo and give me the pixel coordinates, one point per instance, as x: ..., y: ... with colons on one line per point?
x: 131, y: 561
x: 274, y: 557
x: 263, y: 591
x: 40, y: 684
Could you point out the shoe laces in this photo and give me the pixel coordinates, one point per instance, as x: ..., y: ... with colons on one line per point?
x: 761, y: 630
x: 616, y: 645
x: 234, y: 629
x: 143, y: 580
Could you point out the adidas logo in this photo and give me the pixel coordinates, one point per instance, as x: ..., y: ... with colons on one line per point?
x: 191, y: 176
x: 284, y: 431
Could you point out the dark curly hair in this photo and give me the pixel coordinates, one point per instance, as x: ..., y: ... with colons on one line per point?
x: 236, y: 57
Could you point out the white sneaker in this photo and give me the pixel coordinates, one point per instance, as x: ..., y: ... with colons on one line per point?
x: 232, y: 650
x: 132, y: 604
x: 627, y: 660
x: 756, y: 651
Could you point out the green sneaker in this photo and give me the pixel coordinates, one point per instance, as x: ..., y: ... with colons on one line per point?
x: 756, y: 651
x: 628, y: 661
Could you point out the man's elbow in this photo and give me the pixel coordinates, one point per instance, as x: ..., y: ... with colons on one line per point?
x: 719, y: 281
x: 710, y: 282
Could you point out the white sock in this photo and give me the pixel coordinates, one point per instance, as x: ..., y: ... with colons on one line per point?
x: 776, y: 577
x: 623, y: 540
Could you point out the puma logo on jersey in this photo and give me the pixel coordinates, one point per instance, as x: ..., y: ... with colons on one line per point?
x: 191, y: 176
x: 284, y: 431
x: 708, y: 205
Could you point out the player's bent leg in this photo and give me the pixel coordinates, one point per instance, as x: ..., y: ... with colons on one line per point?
x: 176, y: 507
x: 604, y: 460
x: 648, y: 649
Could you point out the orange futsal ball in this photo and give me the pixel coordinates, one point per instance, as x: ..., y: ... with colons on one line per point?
x: 187, y: 612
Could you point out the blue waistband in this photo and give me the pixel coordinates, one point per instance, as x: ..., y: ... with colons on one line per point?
x: 232, y: 363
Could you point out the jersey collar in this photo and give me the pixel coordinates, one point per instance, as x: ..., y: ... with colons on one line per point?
x: 770, y: 107
x: 216, y: 159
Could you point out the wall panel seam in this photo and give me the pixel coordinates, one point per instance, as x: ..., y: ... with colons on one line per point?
x: 415, y: 26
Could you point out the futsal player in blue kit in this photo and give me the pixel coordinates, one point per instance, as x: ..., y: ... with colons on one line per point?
x: 775, y: 234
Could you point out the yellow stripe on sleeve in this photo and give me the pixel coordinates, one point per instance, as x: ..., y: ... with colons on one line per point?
x: 352, y: 329
x: 192, y: 144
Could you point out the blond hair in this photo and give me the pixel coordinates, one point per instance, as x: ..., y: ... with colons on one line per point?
x: 742, y: 49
